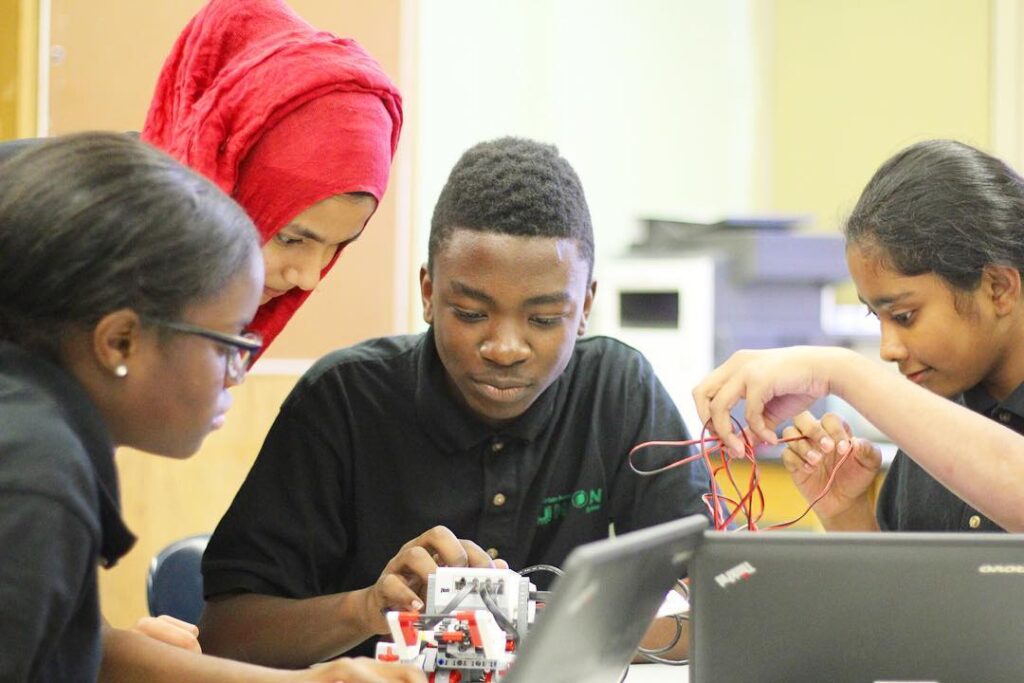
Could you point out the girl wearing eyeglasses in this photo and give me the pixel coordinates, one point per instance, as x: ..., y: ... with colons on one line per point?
x: 297, y: 125
x: 127, y: 284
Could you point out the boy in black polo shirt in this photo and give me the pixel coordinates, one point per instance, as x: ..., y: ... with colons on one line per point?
x: 496, y: 423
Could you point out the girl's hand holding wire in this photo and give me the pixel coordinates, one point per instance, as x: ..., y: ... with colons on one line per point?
x: 776, y: 383
x: 811, y: 461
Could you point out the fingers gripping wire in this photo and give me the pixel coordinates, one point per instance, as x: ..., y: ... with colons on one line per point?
x: 744, y: 501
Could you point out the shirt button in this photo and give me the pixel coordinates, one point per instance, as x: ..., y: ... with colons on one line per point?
x: 974, y: 522
x: 493, y: 552
x: 497, y: 446
x: 1004, y: 417
x: 498, y: 500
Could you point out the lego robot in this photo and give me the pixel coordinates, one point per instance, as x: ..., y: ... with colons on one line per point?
x: 470, y: 628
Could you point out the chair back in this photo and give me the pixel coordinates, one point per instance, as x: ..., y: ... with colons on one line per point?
x: 174, y: 585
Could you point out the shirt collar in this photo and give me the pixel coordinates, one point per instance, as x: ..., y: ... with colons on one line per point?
x: 980, y: 401
x: 450, y: 425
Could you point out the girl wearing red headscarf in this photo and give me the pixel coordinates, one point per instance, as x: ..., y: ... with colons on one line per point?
x: 297, y: 125
x: 300, y: 128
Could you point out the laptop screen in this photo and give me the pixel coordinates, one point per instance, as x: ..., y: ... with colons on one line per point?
x: 601, y: 608
x: 846, y: 607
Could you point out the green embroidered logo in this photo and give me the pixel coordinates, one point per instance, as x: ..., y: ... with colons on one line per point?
x: 557, y: 507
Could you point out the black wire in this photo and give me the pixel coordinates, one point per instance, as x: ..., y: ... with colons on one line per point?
x: 502, y: 620
x: 432, y: 620
x: 652, y: 655
x: 669, y: 662
x: 541, y: 596
x: 459, y: 597
x: 667, y: 648
x: 542, y: 568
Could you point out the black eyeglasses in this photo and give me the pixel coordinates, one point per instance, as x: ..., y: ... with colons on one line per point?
x: 241, y: 346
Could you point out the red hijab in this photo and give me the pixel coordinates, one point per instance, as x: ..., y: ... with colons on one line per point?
x: 278, y: 115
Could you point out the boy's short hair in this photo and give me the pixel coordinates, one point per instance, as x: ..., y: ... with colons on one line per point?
x: 513, y: 186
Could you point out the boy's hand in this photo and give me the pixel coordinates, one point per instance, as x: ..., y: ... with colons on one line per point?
x: 810, y: 462
x: 403, y: 582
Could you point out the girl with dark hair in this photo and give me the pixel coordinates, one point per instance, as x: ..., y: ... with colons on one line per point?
x: 128, y: 284
x: 297, y: 125
x: 935, y: 246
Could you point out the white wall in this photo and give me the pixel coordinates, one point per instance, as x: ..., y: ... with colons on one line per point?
x: 652, y: 101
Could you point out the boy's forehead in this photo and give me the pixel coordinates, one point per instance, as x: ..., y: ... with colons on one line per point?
x: 466, y: 243
x: 485, y: 261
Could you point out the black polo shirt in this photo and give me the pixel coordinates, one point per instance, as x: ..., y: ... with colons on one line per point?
x: 59, y: 516
x: 370, y: 450
x: 912, y: 500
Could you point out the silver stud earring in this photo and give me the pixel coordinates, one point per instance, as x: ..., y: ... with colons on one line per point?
x: 121, y: 370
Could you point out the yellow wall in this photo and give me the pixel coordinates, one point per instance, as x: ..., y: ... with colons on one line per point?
x: 852, y: 82
x: 9, y: 51
x: 18, y: 47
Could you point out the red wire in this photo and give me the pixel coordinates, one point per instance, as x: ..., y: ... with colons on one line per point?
x: 744, y: 503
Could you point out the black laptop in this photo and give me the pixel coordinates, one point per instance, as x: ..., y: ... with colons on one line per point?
x: 792, y: 607
x: 600, y: 609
